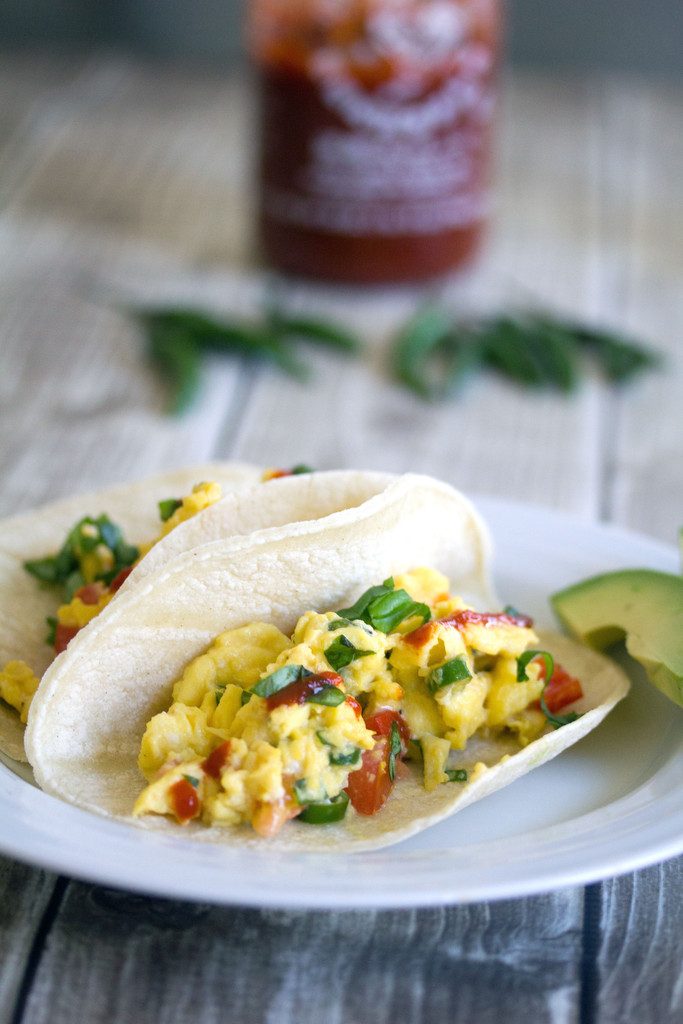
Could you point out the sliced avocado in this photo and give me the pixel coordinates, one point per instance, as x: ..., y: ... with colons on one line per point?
x: 641, y: 605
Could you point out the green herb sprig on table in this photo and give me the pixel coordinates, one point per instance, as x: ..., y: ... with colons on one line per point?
x: 178, y: 338
x: 434, y: 353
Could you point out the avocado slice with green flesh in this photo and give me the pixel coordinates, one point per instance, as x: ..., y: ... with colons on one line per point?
x: 642, y: 605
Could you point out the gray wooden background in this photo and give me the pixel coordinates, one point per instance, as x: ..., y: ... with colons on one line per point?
x: 617, y: 35
x: 119, y: 180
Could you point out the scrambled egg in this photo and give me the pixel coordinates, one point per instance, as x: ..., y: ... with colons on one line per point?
x: 17, y: 686
x: 244, y: 702
x: 17, y: 680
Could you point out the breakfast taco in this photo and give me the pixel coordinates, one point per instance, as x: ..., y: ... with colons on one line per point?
x: 339, y: 682
x: 85, y: 560
x: 60, y: 565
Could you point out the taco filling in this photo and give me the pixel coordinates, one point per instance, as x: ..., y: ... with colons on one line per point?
x: 90, y: 567
x: 264, y: 727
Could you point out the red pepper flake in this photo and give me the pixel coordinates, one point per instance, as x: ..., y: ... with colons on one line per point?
x: 217, y: 759
x: 185, y: 801
x: 299, y: 691
x: 459, y: 620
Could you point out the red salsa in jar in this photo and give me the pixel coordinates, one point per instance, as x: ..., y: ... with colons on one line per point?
x: 375, y: 134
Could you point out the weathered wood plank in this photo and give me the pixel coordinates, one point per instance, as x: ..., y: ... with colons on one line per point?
x: 644, y: 210
x: 60, y: 321
x: 24, y: 896
x: 150, y: 153
x: 128, y: 958
x: 640, y: 957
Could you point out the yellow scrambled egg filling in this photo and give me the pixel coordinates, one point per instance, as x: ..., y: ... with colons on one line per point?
x: 307, y: 751
x: 17, y: 686
x: 17, y: 680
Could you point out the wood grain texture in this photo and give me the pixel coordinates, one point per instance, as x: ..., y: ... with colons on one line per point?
x: 640, y: 953
x: 24, y: 896
x: 116, y: 182
x: 128, y: 959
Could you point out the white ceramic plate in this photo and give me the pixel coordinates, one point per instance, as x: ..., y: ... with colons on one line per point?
x: 608, y: 805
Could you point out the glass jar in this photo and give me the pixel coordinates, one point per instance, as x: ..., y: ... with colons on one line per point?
x: 375, y: 134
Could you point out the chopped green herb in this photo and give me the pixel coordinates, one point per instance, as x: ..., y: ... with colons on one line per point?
x: 51, y: 630
x: 435, y: 352
x: 192, y: 780
x: 557, y: 721
x: 352, y: 758
x: 301, y: 469
x: 455, y: 671
x: 360, y: 608
x: 384, y: 608
x: 394, y: 749
x: 456, y: 774
x: 44, y: 569
x: 321, y: 332
x: 339, y: 624
x: 342, y: 652
x: 389, y: 610
x: 324, y: 812
x: 218, y: 694
x: 277, y: 680
x: 330, y: 696
x: 167, y: 507
x: 246, y: 697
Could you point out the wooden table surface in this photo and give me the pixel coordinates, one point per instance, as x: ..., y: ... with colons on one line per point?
x: 121, y: 182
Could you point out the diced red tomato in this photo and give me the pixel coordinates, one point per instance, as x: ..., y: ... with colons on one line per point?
x: 120, y: 579
x: 562, y: 690
x: 185, y: 801
x: 269, y: 818
x: 217, y: 759
x: 299, y: 691
x: 63, y: 635
x: 370, y: 785
x: 382, y: 721
x: 91, y: 592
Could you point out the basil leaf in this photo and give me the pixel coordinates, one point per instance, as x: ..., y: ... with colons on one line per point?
x: 557, y: 721
x: 456, y: 774
x: 175, y: 353
x: 167, y: 507
x: 359, y: 610
x: 110, y: 534
x: 454, y: 671
x: 352, y: 758
x: 338, y: 624
x: 330, y: 696
x: 324, y: 812
x: 44, y: 569
x: 73, y: 583
x: 277, y: 680
x: 388, y: 610
x: 321, y: 331
x: 342, y: 652
x: 394, y: 749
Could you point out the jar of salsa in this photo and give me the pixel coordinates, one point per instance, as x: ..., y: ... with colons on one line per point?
x: 375, y: 134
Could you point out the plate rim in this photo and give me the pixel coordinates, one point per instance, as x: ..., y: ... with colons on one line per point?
x: 663, y: 841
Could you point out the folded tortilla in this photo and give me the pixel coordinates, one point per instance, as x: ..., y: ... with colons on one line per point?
x: 25, y: 602
x: 87, y: 720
